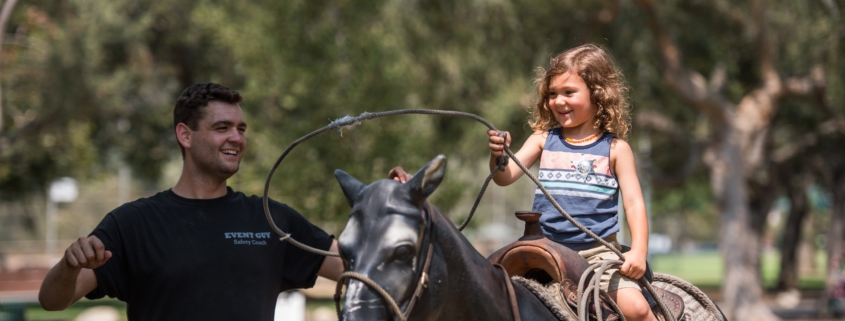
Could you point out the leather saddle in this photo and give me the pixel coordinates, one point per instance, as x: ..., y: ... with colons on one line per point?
x: 535, y: 257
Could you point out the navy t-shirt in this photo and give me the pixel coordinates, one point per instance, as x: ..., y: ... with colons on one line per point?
x: 186, y: 259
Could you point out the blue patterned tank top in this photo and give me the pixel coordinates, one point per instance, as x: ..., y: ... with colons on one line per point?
x: 580, y: 180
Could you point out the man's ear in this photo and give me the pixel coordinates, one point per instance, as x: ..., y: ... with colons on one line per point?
x: 183, y: 135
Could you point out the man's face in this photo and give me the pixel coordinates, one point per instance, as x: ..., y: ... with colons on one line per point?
x: 218, y: 144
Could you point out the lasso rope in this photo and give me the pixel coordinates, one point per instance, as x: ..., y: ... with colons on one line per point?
x: 348, y: 122
x: 338, y: 124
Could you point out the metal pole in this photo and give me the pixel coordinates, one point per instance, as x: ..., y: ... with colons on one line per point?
x: 50, y: 235
x: 645, y: 178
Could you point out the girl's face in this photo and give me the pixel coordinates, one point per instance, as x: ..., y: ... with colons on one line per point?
x: 569, y: 102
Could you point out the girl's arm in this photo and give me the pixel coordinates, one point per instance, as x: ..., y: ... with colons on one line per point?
x: 622, y: 159
x: 527, y: 155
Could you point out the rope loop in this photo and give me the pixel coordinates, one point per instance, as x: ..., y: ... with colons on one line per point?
x: 594, y: 288
x: 501, y: 163
x: 338, y: 124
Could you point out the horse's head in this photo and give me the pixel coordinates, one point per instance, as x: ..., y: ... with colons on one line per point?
x: 385, y: 239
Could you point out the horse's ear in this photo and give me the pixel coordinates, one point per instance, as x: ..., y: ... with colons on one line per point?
x: 426, y: 180
x: 350, y: 185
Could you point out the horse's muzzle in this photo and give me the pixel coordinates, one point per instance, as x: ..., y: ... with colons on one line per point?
x: 367, y: 310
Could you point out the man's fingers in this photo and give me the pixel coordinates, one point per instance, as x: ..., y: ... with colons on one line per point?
x: 70, y: 259
x: 89, y: 253
x: 79, y: 255
x: 99, y: 249
x: 106, y: 256
x: 86, y: 252
x: 398, y: 174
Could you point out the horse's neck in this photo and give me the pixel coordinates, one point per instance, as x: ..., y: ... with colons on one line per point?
x: 470, y: 276
x: 463, y: 285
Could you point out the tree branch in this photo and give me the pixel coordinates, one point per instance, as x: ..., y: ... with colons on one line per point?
x: 692, y: 85
x: 798, y: 147
x: 737, y: 16
x: 4, y: 18
x: 31, y: 129
x: 659, y: 122
x: 771, y: 79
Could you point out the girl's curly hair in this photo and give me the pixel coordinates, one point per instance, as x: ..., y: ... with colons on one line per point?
x: 608, y: 90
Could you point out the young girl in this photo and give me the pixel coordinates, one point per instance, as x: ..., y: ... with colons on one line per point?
x: 580, y: 121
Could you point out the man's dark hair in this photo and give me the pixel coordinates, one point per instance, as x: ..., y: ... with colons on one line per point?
x: 190, y: 107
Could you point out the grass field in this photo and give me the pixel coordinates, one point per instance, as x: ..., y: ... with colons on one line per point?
x: 33, y: 311
x: 705, y: 269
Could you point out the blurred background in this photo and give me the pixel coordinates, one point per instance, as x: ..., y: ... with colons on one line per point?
x: 738, y: 123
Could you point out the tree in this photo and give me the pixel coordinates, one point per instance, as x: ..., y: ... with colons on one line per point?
x: 87, y: 90
x: 735, y: 158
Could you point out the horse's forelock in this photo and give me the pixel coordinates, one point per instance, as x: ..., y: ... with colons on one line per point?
x: 385, y: 197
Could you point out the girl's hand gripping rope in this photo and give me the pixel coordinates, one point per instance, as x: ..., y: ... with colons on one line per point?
x: 498, y: 143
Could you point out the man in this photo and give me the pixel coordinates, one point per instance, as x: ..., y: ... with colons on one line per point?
x: 199, y: 251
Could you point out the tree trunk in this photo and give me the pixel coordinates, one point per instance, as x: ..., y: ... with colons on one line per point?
x: 739, y: 243
x: 835, y: 239
x: 764, y: 192
x: 792, y: 231
x: 737, y: 151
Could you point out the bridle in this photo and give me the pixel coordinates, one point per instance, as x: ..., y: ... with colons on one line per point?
x: 422, y: 278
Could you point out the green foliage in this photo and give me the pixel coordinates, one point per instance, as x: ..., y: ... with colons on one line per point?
x: 90, y: 85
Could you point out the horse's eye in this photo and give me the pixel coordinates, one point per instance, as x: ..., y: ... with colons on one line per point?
x: 403, y: 252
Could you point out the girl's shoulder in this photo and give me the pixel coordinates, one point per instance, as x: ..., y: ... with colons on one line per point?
x: 619, y: 147
x: 538, y: 139
x: 618, y: 142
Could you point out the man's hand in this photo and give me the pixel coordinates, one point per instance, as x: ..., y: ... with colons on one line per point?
x: 398, y: 174
x: 86, y: 252
x: 73, y: 276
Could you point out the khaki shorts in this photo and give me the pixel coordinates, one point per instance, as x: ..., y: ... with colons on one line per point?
x: 612, y: 279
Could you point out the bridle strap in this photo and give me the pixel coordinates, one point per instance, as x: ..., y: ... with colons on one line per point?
x: 423, y: 280
x: 421, y: 285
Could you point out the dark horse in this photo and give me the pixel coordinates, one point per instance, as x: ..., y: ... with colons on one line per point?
x: 387, y: 239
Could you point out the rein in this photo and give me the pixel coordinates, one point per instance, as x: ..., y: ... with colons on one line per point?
x: 421, y: 284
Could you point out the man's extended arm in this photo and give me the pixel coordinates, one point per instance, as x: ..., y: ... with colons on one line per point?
x: 332, y: 265
x: 73, y: 277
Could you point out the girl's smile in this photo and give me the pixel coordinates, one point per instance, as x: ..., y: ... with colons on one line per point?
x: 569, y: 100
